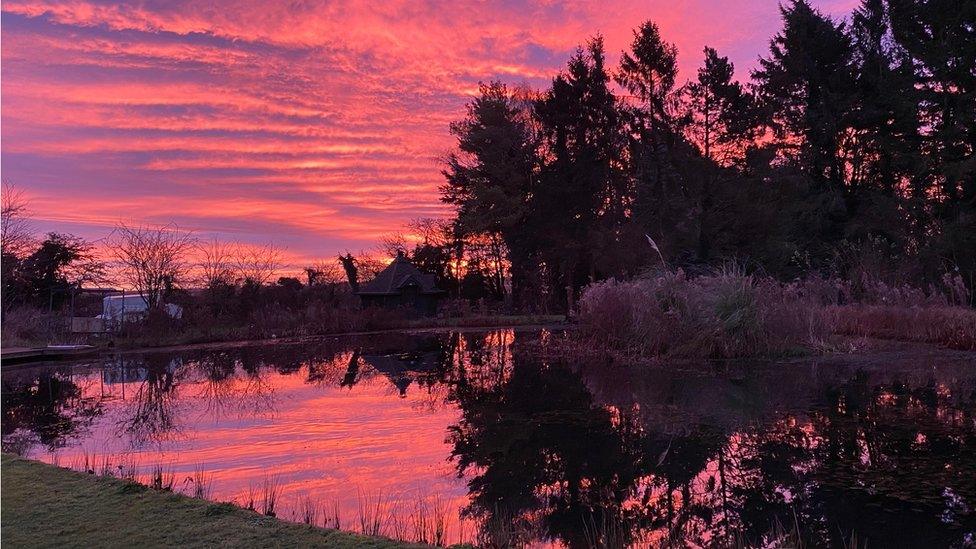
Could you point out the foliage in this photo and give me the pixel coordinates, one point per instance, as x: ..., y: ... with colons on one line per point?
x: 45, y: 277
x: 852, y: 135
x: 723, y: 315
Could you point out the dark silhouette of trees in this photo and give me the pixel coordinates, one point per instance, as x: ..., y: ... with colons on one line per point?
x: 850, y: 153
x: 46, y: 276
x: 721, y: 116
x: 490, y: 176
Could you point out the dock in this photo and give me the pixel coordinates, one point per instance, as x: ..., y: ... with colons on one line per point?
x: 19, y: 355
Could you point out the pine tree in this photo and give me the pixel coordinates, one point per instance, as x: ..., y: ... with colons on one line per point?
x: 720, y: 115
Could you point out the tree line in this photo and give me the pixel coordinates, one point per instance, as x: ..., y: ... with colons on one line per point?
x: 849, y: 153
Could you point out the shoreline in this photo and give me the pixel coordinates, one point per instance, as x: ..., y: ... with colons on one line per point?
x: 471, y: 326
x: 78, y: 509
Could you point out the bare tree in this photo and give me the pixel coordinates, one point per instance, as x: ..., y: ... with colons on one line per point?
x: 431, y: 231
x: 369, y: 266
x: 16, y: 237
x: 393, y: 244
x: 257, y: 264
x: 215, y: 263
x: 324, y: 272
x: 152, y: 259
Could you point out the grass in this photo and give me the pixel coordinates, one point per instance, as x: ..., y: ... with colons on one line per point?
x: 47, y: 506
x: 725, y: 315
x: 952, y: 327
x: 730, y: 314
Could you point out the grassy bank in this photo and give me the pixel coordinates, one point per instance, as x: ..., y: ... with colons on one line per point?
x: 46, y: 506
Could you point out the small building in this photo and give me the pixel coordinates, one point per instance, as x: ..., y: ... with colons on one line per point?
x: 131, y: 307
x: 402, y: 286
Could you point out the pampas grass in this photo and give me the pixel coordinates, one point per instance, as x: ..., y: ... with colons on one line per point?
x: 731, y: 313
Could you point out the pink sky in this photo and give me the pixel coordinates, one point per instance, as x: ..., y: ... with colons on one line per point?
x: 315, y: 125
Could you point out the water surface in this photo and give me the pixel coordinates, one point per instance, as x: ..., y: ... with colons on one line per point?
x: 484, y: 437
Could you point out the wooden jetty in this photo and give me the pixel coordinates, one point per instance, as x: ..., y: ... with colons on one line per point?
x: 18, y: 355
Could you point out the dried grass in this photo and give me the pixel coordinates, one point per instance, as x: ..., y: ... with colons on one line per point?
x: 732, y: 314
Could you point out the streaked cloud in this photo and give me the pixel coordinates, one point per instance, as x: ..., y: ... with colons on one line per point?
x: 317, y: 125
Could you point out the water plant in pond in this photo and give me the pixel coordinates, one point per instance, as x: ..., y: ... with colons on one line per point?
x: 309, y: 510
x: 270, y: 493
x: 162, y: 478
x: 370, y: 513
x: 202, y: 482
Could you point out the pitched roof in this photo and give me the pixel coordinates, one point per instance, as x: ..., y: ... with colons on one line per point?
x: 397, y: 275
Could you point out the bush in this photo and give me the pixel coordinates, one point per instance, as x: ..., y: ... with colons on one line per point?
x: 24, y: 327
x: 951, y: 326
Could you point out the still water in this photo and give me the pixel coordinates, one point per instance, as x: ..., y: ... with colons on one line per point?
x: 484, y: 437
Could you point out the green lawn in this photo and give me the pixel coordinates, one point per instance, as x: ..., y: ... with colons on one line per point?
x: 46, y: 506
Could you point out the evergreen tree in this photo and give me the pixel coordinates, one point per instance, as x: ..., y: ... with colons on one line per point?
x: 581, y: 201
x: 720, y: 115
x: 490, y: 177
x: 808, y: 83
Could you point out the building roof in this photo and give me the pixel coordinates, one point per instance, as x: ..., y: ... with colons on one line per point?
x: 398, y: 275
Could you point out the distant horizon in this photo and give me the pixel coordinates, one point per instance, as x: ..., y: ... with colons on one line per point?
x: 317, y: 129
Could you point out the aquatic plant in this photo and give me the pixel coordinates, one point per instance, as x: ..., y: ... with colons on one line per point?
x: 270, y: 494
x: 370, y: 513
x: 202, y: 482
x: 309, y: 510
x: 162, y: 478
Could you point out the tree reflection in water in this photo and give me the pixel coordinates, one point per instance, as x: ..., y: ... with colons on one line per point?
x: 575, y: 454
x: 43, y: 407
x: 889, y: 462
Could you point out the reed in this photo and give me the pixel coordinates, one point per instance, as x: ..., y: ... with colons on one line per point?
x: 429, y: 521
x: 247, y: 498
x: 269, y: 495
x: 334, y: 519
x: 202, y: 483
x: 370, y: 513
x: 604, y: 532
x: 309, y: 510
x: 162, y: 478
x: 730, y: 313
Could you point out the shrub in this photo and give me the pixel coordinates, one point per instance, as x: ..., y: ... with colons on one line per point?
x: 24, y: 326
x: 951, y: 326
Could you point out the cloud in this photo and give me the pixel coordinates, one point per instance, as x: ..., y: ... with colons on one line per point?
x: 315, y: 123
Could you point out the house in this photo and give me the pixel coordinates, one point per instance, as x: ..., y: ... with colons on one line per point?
x: 402, y: 286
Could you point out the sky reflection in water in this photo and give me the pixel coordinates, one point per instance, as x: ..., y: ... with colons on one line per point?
x: 549, y: 452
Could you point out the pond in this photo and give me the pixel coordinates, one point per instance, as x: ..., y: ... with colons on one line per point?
x: 484, y: 437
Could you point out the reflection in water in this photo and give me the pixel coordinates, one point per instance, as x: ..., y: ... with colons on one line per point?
x: 480, y: 432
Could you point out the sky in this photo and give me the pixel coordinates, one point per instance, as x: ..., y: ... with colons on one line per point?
x: 316, y: 126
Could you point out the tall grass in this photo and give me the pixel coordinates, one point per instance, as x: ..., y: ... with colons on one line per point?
x: 269, y: 496
x: 309, y: 510
x: 378, y: 515
x: 429, y: 521
x: 202, y: 483
x: 731, y: 313
x: 161, y: 478
x: 727, y: 314
x: 371, y: 513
